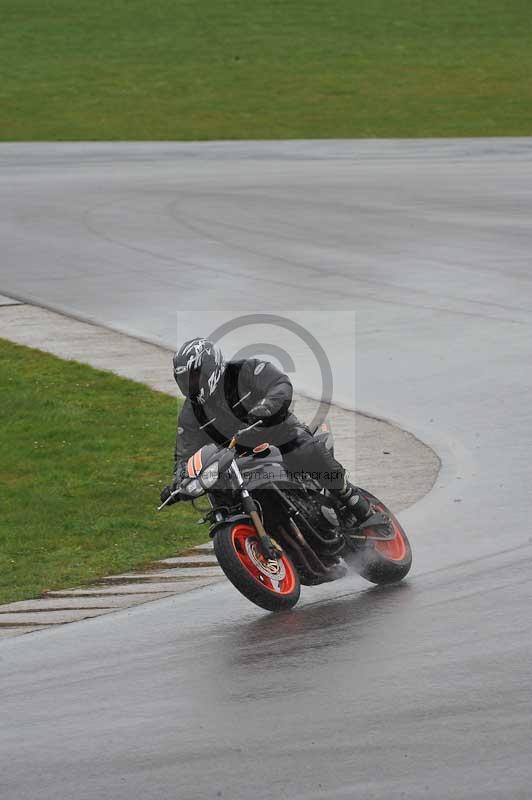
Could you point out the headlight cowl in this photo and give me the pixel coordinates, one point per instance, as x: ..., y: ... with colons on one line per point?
x: 194, y: 488
x: 209, y: 475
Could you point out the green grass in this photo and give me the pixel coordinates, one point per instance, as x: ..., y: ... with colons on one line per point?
x: 83, y: 457
x: 237, y: 69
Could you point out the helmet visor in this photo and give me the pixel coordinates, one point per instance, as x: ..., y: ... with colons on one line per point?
x: 188, y: 381
x: 181, y: 375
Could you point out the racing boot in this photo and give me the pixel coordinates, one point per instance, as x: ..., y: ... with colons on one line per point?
x: 355, y: 507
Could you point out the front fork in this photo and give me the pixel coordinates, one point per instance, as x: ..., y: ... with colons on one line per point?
x: 270, y: 548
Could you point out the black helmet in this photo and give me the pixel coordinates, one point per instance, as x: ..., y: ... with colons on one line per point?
x: 198, y: 368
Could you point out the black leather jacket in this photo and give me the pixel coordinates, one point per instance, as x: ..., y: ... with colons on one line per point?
x: 245, y: 384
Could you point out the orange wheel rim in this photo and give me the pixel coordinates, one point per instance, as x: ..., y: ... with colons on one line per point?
x: 393, y: 549
x: 278, y: 577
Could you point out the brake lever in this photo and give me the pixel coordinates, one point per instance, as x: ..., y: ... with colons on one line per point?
x: 170, y: 497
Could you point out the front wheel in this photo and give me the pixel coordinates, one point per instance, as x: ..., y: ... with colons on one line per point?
x: 386, y: 561
x: 271, y: 584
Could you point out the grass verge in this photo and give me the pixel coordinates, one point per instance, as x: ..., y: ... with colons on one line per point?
x: 83, y: 457
x: 250, y: 69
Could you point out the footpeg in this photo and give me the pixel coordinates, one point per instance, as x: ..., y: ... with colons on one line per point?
x: 376, y: 520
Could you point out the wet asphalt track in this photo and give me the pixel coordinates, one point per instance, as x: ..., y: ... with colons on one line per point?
x: 421, y: 690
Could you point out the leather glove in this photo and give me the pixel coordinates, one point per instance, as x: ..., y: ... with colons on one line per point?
x: 261, y: 412
x: 167, y: 491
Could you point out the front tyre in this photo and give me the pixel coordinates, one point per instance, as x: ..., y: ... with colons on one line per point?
x: 270, y: 584
x: 387, y: 561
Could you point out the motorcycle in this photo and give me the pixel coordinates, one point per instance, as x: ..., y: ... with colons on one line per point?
x: 273, y: 531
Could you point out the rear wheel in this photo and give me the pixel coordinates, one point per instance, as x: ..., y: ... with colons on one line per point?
x: 385, y: 561
x: 271, y: 584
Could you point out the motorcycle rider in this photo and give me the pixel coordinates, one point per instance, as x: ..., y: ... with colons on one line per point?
x: 221, y: 397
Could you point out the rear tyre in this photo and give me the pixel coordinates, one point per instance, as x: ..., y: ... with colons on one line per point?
x: 387, y: 561
x: 273, y: 585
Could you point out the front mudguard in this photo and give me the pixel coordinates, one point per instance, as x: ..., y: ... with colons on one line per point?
x: 245, y: 518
